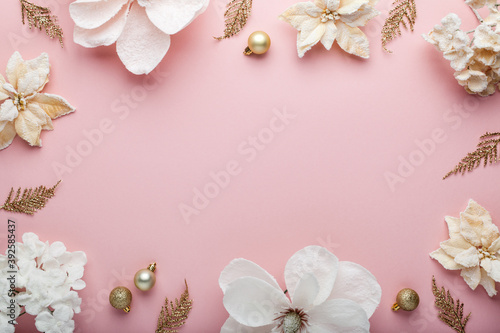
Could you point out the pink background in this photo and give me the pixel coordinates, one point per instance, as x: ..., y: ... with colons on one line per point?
x: 321, y: 180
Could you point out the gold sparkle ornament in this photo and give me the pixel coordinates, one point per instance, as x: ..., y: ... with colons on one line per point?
x: 41, y: 18
x: 173, y: 317
x: 404, y: 9
x: 145, y: 279
x: 30, y: 201
x: 236, y: 17
x: 258, y: 43
x: 407, y: 300
x: 120, y: 298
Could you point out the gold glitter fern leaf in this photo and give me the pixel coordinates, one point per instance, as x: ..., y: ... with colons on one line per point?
x: 450, y: 313
x: 236, y: 17
x: 30, y: 201
x: 486, y: 152
x: 404, y: 10
x: 41, y: 18
x: 173, y: 317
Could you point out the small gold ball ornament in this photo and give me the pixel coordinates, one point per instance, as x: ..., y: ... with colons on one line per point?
x: 120, y: 298
x: 145, y: 278
x: 407, y: 299
x: 258, y: 43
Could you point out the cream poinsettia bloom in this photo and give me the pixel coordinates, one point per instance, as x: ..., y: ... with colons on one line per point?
x: 140, y: 28
x: 477, y: 4
x: 330, y: 20
x: 473, y: 248
x: 25, y: 110
x: 325, y: 296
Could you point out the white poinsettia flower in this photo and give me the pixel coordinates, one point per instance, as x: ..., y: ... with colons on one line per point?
x: 140, y: 28
x: 477, y: 4
x: 330, y: 20
x: 453, y: 42
x: 473, y: 248
x: 58, y: 322
x: 25, y: 110
x: 325, y: 295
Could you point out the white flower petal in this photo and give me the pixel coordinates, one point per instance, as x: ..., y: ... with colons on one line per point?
x: 310, y: 34
x: 306, y: 292
x: 90, y: 14
x: 232, y: 326
x: 142, y: 45
x: 453, y: 225
x: 3, y: 94
x: 488, y: 283
x: 33, y: 76
x: 338, y: 315
x: 495, y: 246
x: 298, y: 14
x: 492, y: 267
x: 56, y: 249
x: 238, y: 268
x: 7, y: 134
x: 53, y: 105
x: 356, y: 283
x: 314, y: 260
x: 106, y: 34
x: 78, y: 258
x: 353, y: 40
x: 8, y: 111
x: 329, y: 35
x: 454, y: 246
x: 468, y: 258
x: 445, y: 260
x: 477, y: 226
x: 253, y: 302
x: 171, y: 16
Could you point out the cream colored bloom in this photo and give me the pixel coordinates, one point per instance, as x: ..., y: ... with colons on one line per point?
x: 453, y: 42
x: 473, y: 248
x: 477, y: 4
x: 25, y: 110
x: 330, y: 20
x: 140, y: 28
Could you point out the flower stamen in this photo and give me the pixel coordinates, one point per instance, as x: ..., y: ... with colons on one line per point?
x: 292, y: 320
x: 329, y: 15
x: 20, y: 102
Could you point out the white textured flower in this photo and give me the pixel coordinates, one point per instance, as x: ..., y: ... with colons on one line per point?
x: 60, y: 321
x: 453, y: 42
x: 330, y: 20
x: 5, y: 324
x: 477, y: 4
x: 473, y: 248
x: 325, y: 295
x: 140, y: 28
x: 46, y: 279
x: 486, y: 38
x: 25, y: 110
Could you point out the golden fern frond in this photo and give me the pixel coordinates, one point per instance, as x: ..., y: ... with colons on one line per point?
x: 172, y: 318
x: 485, y: 152
x: 404, y: 9
x: 236, y: 17
x: 450, y: 313
x: 41, y: 18
x: 30, y: 200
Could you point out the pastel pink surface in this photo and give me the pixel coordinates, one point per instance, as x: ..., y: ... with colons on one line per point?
x: 319, y: 179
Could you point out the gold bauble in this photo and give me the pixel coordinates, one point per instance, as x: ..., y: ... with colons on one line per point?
x: 407, y: 299
x: 145, y: 278
x: 258, y: 43
x: 120, y: 298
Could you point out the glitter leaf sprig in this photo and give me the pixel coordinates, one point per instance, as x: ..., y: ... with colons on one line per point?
x: 173, y: 317
x: 485, y: 152
x: 30, y: 201
x: 236, y: 17
x: 41, y: 18
x: 449, y: 313
x: 404, y: 13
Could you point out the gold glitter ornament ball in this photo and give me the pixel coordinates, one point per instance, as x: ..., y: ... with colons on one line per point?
x: 120, y: 298
x: 407, y: 299
x: 258, y: 43
x: 145, y: 279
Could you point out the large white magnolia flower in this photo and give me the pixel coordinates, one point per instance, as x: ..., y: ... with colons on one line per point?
x: 140, y: 28
x: 330, y: 20
x: 325, y: 296
x: 473, y: 248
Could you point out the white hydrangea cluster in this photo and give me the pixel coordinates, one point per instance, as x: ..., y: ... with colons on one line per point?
x: 46, y: 281
x: 477, y: 62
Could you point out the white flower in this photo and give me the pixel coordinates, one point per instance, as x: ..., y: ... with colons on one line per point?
x: 140, y: 28
x: 325, y: 295
x: 477, y: 4
x: 473, y: 248
x: 5, y: 326
x: 25, y: 110
x: 330, y: 20
x: 486, y: 38
x: 453, y: 42
x: 58, y: 322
